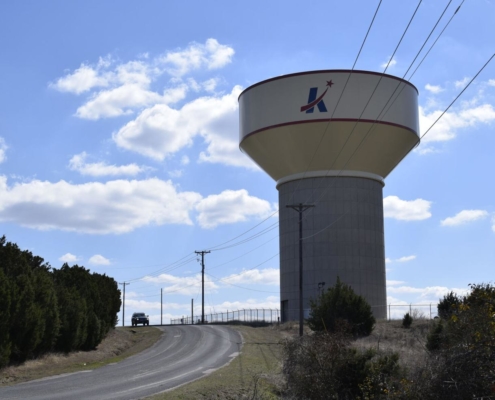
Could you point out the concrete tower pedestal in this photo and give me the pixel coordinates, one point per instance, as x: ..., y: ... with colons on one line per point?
x: 343, y: 236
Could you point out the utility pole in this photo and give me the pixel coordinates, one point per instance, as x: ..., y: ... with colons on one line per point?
x: 202, y: 283
x: 123, y: 302
x: 161, y: 306
x: 300, y: 208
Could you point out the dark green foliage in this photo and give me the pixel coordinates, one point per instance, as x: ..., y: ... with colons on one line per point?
x: 89, y: 309
x: 5, y: 304
x: 43, y: 309
x: 407, y: 321
x: 461, y: 364
x: 447, y: 306
x: 339, y: 307
x: 434, y: 338
x: 325, y: 366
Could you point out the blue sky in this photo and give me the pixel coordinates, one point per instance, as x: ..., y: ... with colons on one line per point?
x: 119, y: 141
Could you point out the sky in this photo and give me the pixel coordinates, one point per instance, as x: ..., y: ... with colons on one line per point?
x: 119, y: 144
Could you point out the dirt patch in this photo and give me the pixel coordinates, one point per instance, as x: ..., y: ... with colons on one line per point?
x: 120, y: 343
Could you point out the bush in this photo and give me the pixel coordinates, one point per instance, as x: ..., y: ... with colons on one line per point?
x: 325, y: 366
x: 434, y: 338
x: 407, y: 321
x: 42, y: 309
x: 462, y: 365
x: 338, y: 307
x: 447, y: 306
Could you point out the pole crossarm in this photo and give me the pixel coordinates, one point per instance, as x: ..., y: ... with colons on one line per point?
x: 300, y: 208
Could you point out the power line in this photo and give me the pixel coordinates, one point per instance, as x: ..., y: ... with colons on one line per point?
x: 336, y: 106
x: 459, y: 95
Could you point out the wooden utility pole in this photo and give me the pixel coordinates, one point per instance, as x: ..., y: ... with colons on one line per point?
x: 202, y: 283
x: 161, y: 306
x: 300, y: 208
x: 123, y: 302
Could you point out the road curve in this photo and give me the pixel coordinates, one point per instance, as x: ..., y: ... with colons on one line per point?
x: 184, y: 353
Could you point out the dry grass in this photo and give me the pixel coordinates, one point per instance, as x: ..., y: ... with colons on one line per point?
x: 119, y: 344
x: 408, y: 343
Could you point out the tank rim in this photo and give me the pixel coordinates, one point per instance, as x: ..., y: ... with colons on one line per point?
x: 320, y: 71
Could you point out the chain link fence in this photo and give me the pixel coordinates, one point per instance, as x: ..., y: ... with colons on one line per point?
x: 268, y: 315
x: 417, y: 311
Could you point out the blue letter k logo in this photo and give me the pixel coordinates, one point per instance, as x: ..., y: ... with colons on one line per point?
x: 313, y: 101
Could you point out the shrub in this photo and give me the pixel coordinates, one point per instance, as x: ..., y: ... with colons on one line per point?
x: 447, y: 306
x: 338, y: 307
x: 462, y: 365
x: 325, y: 366
x: 407, y: 321
x: 434, y: 338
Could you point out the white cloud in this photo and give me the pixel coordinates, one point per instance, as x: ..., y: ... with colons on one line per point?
x: 68, y: 258
x: 429, y: 293
x: 78, y: 163
x: 389, y: 62
x: 493, y: 223
x: 267, y: 276
x: 127, y: 85
x: 188, y: 285
x: 99, y: 208
x: 406, y: 258
x: 406, y: 210
x: 445, y: 129
x: 176, y: 173
x: 184, y: 160
x: 462, y: 83
x: 3, y: 148
x: 81, y: 80
x: 117, y: 101
x: 271, y: 302
x: 433, y: 89
x: 394, y: 283
x: 229, y: 207
x: 120, y: 206
x: 401, y: 259
x: 464, y: 217
x: 491, y: 82
x: 211, y: 55
x: 98, y: 259
x: 160, y: 131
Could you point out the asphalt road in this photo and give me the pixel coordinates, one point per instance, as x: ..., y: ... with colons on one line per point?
x: 183, y: 354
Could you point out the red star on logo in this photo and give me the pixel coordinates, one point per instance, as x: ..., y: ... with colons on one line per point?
x: 329, y: 83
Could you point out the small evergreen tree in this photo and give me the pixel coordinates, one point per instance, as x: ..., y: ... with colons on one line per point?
x: 407, y: 321
x: 448, y: 305
x: 340, y: 307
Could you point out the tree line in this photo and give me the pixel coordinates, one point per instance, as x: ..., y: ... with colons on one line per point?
x: 44, y: 309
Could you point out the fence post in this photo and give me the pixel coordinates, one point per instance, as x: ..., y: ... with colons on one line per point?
x: 430, y: 311
x: 410, y: 311
x: 389, y: 313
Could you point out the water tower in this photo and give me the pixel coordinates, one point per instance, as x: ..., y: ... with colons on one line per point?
x: 330, y: 138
